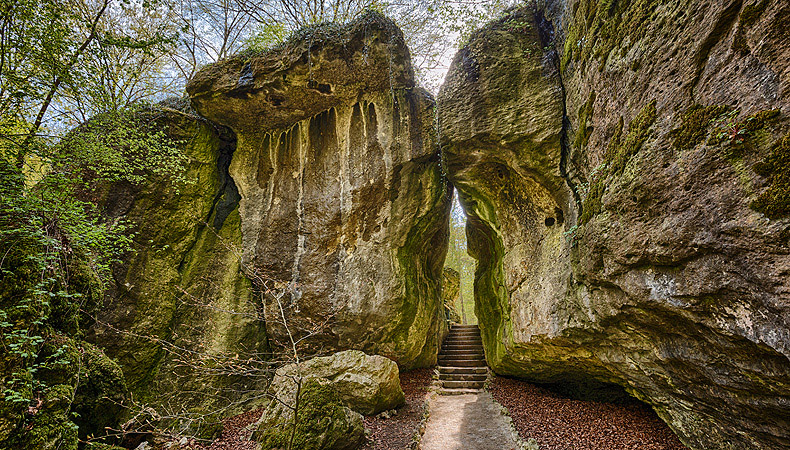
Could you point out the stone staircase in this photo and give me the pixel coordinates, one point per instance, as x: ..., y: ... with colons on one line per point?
x: 462, y: 365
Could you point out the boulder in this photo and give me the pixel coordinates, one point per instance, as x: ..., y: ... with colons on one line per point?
x: 621, y: 165
x: 367, y: 384
x: 323, y: 422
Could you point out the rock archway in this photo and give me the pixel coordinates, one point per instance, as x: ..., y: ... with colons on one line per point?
x: 605, y: 245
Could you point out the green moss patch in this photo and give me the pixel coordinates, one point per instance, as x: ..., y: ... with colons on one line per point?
x: 696, y: 122
x: 775, y: 202
x: 600, y: 26
x: 320, y: 421
x: 619, y: 152
x: 739, y: 134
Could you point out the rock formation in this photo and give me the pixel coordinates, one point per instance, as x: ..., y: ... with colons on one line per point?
x: 621, y: 164
x: 315, y: 186
x: 181, y: 289
x: 342, y: 199
x: 367, y: 384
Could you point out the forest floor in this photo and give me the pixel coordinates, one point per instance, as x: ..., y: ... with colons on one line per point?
x: 561, y: 423
x: 398, y: 432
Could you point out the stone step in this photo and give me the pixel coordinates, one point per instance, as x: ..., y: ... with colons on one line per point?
x: 469, y: 351
x: 471, y: 339
x: 446, y: 391
x: 457, y: 347
x: 463, y: 336
x: 462, y: 377
x: 462, y: 362
x: 449, y: 342
x: 458, y: 326
x: 462, y: 370
x: 462, y: 384
x: 465, y: 332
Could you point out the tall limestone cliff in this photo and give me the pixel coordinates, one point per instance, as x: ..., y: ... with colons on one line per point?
x: 342, y: 196
x: 624, y: 166
x: 313, y: 172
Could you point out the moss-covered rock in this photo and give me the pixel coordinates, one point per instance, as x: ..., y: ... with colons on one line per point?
x: 182, y: 288
x: 451, y: 286
x: 322, y: 422
x: 659, y: 266
x: 48, y: 423
x: 366, y: 384
x: 99, y: 400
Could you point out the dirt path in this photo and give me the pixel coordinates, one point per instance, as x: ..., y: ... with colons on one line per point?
x: 469, y: 422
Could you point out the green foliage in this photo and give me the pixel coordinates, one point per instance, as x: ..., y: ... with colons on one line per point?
x: 775, y: 201
x: 58, y: 254
x: 585, y: 114
x: 267, y: 36
x: 619, y: 152
x: 735, y: 132
x: 696, y: 121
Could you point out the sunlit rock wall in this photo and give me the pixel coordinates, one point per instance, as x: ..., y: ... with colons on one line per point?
x: 344, y: 210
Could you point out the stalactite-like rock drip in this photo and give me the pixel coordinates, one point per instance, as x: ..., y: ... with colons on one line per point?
x: 660, y: 164
x: 343, y: 205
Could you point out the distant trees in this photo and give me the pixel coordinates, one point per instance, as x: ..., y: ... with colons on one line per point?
x: 459, y: 259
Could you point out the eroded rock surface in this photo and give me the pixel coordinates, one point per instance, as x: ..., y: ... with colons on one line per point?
x: 343, y: 206
x: 368, y: 384
x: 624, y: 235
x: 179, y: 298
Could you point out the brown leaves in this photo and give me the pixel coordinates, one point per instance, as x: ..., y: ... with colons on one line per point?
x: 560, y: 423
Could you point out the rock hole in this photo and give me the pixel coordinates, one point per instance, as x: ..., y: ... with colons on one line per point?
x: 320, y: 87
x: 559, y: 214
x: 500, y: 173
x: 549, y: 221
x: 276, y: 99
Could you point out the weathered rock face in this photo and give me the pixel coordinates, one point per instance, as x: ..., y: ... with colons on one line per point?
x: 343, y: 206
x: 622, y: 234
x: 182, y: 289
x: 451, y: 286
x: 366, y: 384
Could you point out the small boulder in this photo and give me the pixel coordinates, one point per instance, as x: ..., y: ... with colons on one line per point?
x: 366, y: 384
x: 323, y: 422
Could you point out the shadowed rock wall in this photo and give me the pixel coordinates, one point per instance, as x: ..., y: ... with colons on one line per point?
x: 664, y: 269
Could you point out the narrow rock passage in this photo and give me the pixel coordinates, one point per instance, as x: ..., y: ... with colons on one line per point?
x: 468, y: 422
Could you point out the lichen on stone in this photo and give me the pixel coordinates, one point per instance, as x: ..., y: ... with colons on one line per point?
x: 775, y: 201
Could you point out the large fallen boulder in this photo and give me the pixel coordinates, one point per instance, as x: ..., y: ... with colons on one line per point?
x: 322, y: 422
x: 367, y: 384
